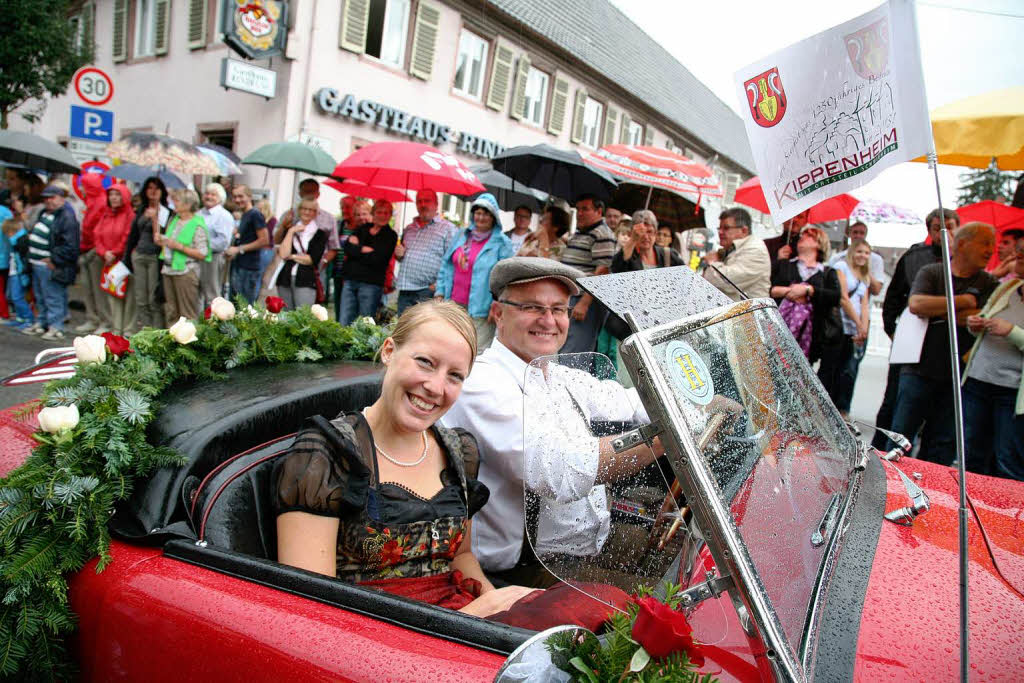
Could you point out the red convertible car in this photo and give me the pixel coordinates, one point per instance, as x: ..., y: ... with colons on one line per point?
x: 805, y: 555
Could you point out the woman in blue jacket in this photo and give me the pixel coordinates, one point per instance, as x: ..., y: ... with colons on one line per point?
x: 466, y: 268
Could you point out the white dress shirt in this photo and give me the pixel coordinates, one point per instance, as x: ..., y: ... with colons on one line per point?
x: 529, y: 427
x: 220, y: 226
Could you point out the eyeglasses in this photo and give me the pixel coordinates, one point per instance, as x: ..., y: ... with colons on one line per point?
x: 537, y: 309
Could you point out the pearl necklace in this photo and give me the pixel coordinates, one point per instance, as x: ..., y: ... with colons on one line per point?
x: 423, y: 456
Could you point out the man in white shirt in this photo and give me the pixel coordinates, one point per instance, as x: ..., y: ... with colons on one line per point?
x: 533, y: 427
x: 220, y: 226
x: 859, y: 231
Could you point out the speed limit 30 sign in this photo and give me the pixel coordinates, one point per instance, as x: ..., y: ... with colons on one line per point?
x: 93, y: 85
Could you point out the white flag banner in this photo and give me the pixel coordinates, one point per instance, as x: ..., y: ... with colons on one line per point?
x: 829, y: 113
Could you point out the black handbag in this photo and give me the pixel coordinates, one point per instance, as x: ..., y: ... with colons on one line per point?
x: 832, y: 321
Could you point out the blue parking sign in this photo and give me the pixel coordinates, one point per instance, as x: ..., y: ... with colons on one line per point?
x: 92, y: 124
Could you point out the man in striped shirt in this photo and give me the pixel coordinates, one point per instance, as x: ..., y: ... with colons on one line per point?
x: 590, y: 250
x: 424, y: 243
x: 53, y: 256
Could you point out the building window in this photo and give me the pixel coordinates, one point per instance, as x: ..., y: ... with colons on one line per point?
x: 386, y: 29
x: 636, y: 134
x: 455, y: 209
x: 593, y: 113
x: 145, y: 28
x: 470, y: 65
x: 536, y: 96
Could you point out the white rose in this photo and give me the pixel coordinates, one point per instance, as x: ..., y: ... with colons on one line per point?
x: 318, y: 311
x: 222, y: 309
x: 367, y: 320
x: 183, y: 331
x: 58, y: 418
x: 90, y: 349
x: 252, y: 312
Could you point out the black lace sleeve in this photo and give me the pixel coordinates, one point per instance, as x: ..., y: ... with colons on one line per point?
x: 324, y: 473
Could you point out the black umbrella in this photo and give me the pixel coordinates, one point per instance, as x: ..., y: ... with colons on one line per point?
x: 559, y: 172
x: 508, y: 192
x: 36, y: 152
x: 671, y: 209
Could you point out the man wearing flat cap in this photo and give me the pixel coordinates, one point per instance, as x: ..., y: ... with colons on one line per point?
x: 558, y: 455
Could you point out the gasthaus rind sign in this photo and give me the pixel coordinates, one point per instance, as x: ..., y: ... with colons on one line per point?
x: 248, y: 78
x: 256, y: 29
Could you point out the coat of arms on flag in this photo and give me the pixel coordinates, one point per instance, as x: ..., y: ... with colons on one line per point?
x: 766, y: 97
x: 869, y: 49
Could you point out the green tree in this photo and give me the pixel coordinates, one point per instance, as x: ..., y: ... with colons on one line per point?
x: 40, y: 50
x: 985, y: 183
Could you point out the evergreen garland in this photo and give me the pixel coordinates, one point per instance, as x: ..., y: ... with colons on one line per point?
x: 54, y: 509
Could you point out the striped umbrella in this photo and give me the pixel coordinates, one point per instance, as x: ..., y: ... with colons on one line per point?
x: 656, y: 168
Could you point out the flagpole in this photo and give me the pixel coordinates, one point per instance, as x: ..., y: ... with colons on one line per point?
x: 958, y: 421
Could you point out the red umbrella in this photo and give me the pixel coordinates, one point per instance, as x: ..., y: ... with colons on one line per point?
x: 358, y: 189
x: 1001, y: 216
x: 656, y: 168
x: 831, y: 209
x: 409, y: 165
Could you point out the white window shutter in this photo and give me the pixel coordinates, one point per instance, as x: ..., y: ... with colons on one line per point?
x: 611, y: 119
x: 624, y: 130
x: 576, y: 134
x: 197, y: 11
x: 119, y: 34
x: 559, y: 103
x: 424, y: 41
x: 732, y: 182
x: 354, y: 17
x: 161, y: 26
x: 519, y: 92
x: 648, y: 136
x: 501, y: 76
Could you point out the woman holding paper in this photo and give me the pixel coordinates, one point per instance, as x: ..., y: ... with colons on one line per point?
x: 111, y: 234
x: 993, y: 391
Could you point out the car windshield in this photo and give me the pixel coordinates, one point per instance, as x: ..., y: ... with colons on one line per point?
x: 778, y: 450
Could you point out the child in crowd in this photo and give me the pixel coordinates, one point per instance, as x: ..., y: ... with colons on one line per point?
x: 18, y: 279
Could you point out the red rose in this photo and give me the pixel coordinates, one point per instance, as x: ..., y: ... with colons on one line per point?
x: 206, y: 313
x: 116, y: 344
x: 662, y: 630
x: 275, y: 304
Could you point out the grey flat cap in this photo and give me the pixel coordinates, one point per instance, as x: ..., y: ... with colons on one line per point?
x: 520, y: 269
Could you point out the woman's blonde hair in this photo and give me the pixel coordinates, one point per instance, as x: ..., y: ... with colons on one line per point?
x: 426, y: 311
x: 862, y: 273
x: 265, y: 208
x: 361, y: 203
x: 188, y: 198
x: 824, y: 247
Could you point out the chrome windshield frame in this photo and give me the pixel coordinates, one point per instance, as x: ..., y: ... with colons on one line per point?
x: 711, y: 512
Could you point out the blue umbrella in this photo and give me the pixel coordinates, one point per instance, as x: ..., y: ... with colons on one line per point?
x: 138, y: 174
x: 226, y: 160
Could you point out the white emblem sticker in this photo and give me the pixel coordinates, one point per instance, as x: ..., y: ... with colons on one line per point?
x: 689, y: 372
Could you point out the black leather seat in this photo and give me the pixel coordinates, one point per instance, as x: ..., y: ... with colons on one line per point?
x: 232, y: 508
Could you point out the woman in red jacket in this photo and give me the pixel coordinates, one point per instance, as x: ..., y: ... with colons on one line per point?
x: 110, y: 236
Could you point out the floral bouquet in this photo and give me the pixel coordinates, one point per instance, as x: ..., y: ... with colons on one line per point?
x: 652, y: 642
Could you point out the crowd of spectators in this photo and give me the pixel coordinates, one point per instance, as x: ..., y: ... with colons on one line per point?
x: 180, y: 251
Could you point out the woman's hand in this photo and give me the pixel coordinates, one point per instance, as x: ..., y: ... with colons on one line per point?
x: 497, y: 600
x: 999, y: 327
x: 975, y: 323
x: 352, y: 239
x: 109, y: 257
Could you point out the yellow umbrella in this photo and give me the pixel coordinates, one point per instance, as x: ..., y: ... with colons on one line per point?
x: 973, y: 131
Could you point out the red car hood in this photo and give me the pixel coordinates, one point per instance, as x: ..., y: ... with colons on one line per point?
x: 910, y: 623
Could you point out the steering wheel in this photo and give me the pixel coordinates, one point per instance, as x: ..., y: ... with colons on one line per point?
x: 656, y: 540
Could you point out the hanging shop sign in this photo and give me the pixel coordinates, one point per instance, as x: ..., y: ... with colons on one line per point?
x: 248, y: 78
x: 403, y: 123
x: 255, y: 29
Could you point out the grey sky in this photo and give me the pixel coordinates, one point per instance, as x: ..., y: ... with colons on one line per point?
x: 967, y: 48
